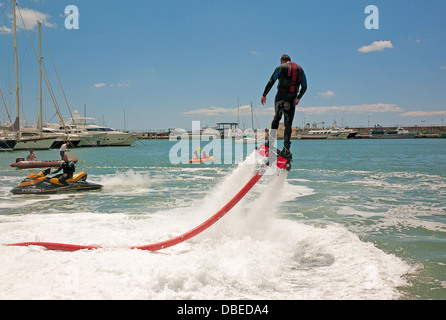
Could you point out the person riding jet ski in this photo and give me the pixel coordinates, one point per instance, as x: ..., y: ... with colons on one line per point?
x: 41, y: 183
x: 68, y: 170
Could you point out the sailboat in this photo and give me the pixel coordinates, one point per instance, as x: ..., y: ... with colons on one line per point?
x: 25, y: 142
x: 8, y: 140
x: 247, y: 138
x: 41, y: 131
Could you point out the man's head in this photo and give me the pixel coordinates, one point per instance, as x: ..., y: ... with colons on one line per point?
x: 285, y: 58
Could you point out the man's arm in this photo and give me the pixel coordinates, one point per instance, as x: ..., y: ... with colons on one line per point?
x: 270, y: 83
x: 303, y: 88
x: 60, y: 168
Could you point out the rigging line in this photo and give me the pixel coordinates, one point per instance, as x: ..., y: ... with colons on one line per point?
x: 44, y: 73
x: 57, y: 73
x: 6, y: 107
x: 255, y: 116
x: 51, y: 92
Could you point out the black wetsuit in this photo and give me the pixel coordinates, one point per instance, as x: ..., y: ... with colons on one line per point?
x: 68, y: 168
x: 291, y: 76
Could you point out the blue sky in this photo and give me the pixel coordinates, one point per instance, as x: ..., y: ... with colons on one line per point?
x: 168, y: 63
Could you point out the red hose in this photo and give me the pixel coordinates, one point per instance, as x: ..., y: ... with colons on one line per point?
x: 163, y: 244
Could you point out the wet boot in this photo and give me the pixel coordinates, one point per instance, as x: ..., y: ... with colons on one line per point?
x: 286, y: 153
x: 63, y: 181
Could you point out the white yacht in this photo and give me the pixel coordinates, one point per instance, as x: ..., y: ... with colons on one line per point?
x: 41, y: 143
x: 87, y: 139
x: 112, y: 137
x: 324, y: 133
x: 60, y: 137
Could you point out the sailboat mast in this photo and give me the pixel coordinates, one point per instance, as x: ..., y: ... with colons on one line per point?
x: 39, y: 24
x: 16, y: 63
x: 252, y: 117
x: 238, y: 112
x: 125, y: 122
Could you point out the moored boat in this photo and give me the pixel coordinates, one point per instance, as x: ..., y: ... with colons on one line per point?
x: 25, y: 164
x: 333, y: 133
x: 112, y: 137
x: 7, y: 143
x: 34, y: 143
x: 324, y: 134
x: 399, y: 133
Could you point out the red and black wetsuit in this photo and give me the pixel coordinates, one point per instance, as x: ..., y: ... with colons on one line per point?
x: 291, y: 76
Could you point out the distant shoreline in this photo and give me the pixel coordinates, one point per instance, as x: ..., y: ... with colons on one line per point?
x: 420, y: 132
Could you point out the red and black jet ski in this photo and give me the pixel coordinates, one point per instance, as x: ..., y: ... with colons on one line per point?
x: 41, y: 184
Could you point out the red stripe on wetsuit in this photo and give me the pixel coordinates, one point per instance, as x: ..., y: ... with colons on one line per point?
x: 292, y: 68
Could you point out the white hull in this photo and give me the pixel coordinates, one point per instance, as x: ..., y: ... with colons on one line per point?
x: 322, y: 135
x: 117, y: 138
x: 92, y: 140
x: 112, y: 137
x: 392, y: 136
x: 36, y: 144
x: 399, y: 133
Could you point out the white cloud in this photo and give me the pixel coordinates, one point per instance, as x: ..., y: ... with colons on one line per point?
x: 362, y: 108
x: 443, y: 68
x: 327, y: 94
x: 211, y: 111
x: 423, y: 113
x: 123, y: 84
x: 220, y: 111
x: 260, y: 110
x: 5, y: 30
x: 256, y: 53
x: 30, y: 17
x: 376, y: 46
x: 119, y: 84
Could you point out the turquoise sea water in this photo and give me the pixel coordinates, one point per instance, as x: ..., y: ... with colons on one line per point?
x: 353, y: 219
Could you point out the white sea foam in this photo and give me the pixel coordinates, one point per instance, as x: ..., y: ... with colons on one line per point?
x: 249, y: 254
x: 126, y: 180
x: 272, y: 258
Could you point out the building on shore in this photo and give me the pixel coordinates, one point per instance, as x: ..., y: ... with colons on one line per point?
x: 420, y: 132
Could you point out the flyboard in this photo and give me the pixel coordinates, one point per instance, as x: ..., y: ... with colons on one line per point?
x: 270, y: 154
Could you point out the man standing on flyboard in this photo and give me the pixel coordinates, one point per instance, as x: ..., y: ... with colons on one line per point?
x: 291, y: 76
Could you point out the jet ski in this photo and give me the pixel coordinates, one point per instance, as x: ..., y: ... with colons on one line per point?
x: 41, y: 184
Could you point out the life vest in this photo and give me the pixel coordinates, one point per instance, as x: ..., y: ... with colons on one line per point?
x: 291, y: 78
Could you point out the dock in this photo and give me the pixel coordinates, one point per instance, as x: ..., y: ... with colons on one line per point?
x: 425, y: 132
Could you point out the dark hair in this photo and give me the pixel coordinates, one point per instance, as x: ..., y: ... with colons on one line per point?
x: 285, y: 58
